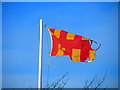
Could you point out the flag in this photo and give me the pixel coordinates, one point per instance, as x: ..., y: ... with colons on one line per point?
x: 76, y: 46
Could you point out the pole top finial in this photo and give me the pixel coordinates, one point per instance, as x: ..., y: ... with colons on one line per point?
x: 41, y: 20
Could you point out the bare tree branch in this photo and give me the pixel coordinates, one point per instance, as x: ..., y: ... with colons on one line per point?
x: 101, y: 81
x: 97, y: 82
x: 86, y: 84
x: 91, y: 81
x: 59, y: 83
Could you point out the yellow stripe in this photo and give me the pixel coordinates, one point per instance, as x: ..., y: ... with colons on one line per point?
x: 70, y: 36
x: 60, y: 51
x: 51, y: 32
x: 57, y: 33
x: 76, y: 54
x: 91, y: 55
x: 85, y: 38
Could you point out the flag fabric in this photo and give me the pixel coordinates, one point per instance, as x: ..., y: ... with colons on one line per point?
x: 76, y: 46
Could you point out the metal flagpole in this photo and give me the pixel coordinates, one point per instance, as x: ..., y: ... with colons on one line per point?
x: 40, y: 57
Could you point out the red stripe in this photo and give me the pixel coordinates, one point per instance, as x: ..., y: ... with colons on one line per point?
x: 85, y: 51
x: 63, y: 34
x: 52, y: 30
x: 77, y: 37
x: 54, y: 46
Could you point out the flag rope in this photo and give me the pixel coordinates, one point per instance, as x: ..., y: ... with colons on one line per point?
x: 48, y: 71
x: 96, y: 43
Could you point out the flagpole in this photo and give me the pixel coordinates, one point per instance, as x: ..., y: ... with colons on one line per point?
x: 40, y: 57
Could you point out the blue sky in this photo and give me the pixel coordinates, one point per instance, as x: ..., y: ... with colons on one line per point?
x: 97, y: 21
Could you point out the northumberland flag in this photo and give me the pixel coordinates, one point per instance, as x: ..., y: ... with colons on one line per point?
x: 76, y: 46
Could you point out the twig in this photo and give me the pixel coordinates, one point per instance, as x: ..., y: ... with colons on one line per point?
x: 101, y: 81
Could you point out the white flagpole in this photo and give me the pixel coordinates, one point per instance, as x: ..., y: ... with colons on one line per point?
x: 40, y: 57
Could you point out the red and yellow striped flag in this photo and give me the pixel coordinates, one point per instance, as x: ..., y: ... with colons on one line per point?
x: 76, y: 46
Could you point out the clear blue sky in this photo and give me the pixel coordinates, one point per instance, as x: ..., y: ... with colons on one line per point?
x: 97, y: 21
